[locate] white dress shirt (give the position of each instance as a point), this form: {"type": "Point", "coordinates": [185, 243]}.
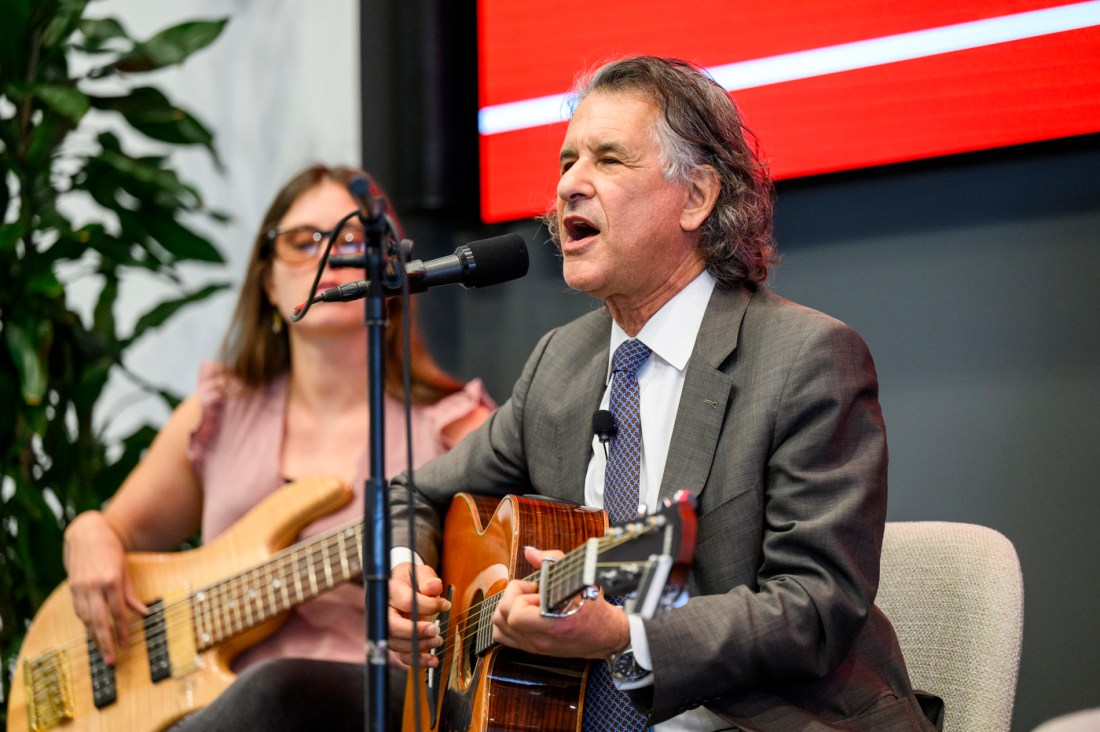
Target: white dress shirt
{"type": "Point", "coordinates": [670, 335]}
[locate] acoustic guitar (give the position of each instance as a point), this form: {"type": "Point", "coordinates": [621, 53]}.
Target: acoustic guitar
{"type": "Point", "coordinates": [481, 685]}
{"type": "Point", "coordinates": [206, 606]}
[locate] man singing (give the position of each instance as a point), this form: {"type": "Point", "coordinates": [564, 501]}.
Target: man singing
{"type": "Point", "coordinates": [765, 410]}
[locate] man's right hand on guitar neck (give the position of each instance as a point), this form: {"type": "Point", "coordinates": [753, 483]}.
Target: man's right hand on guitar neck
{"type": "Point", "coordinates": [429, 602]}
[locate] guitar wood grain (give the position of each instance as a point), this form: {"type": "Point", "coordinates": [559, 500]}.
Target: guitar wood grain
{"type": "Point", "coordinates": [504, 688]}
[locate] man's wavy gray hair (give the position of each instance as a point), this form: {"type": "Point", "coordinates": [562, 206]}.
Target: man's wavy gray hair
{"type": "Point", "coordinates": [700, 125]}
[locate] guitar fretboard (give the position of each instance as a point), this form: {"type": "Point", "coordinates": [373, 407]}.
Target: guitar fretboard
{"type": "Point", "coordinates": [564, 579]}
{"type": "Point", "coordinates": [285, 581]}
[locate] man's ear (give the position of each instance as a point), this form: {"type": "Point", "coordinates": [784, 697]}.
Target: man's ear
{"type": "Point", "coordinates": [702, 193]}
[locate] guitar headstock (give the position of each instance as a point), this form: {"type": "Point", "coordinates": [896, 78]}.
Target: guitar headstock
{"type": "Point", "coordinates": [649, 557]}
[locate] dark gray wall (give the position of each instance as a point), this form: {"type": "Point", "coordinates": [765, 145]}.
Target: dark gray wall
{"type": "Point", "coordinates": [975, 281]}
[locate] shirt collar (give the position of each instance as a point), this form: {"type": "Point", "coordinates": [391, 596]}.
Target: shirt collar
{"type": "Point", "coordinates": [672, 330]}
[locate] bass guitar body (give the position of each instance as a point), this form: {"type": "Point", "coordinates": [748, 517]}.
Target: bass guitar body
{"type": "Point", "coordinates": [483, 686]}
{"type": "Point", "coordinates": [60, 682]}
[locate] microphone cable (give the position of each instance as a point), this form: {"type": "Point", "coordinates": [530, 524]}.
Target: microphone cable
{"type": "Point", "coordinates": [301, 310]}
{"type": "Point", "coordinates": [392, 250]}
{"type": "Point", "coordinates": [406, 383]}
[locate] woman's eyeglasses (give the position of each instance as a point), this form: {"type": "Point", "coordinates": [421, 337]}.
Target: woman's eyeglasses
{"type": "Point", "coordinates": [302, 244]}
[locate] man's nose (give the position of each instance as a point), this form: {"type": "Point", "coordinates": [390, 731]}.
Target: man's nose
{"type": "Point", "coordinates": [576, 182]}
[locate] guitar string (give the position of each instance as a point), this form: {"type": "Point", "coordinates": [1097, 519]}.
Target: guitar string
{"type": "Point", "coordinates": [230, 601]}
{"type": "Point", "coordinates": [575, 557]}
{"type": "Point", "coordinates": [232, 590]}
{"type": "Point", "coordinates": [221, 616]}
{"type": "Point", "coordinates": [289, 558]}
{"type": "Point", "coordinates": [315, 549]}
{"type": "Point", "coordinates": [567, 562]}
{"type": "Point", "coordinates": [186, 624]}
{"type": "Point", "coordinates": [42, 693]}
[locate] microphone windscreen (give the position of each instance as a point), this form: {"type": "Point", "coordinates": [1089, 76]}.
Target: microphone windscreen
{"type": "Point", "coordinates": [499, 259]}
{"type": "Point", "coordinates": [603, 424]}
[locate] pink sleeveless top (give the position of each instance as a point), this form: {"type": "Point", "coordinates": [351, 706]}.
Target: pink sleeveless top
{"type": "Point", "coordinates": [235, 453]}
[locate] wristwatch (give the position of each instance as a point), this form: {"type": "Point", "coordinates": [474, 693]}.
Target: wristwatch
{"type": "Point", "coordinates": [625, 668]}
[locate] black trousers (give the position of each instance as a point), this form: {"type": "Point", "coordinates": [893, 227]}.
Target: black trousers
{"type": "Point", "coordinates": [288, 694]}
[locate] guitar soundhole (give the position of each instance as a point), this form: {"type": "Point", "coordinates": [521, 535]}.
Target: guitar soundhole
{"type": "Point", "coordinates": [471, 637]}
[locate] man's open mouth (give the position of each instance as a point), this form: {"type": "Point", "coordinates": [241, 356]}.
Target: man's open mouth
{"type": "Point", "coordinates": [578, 228]}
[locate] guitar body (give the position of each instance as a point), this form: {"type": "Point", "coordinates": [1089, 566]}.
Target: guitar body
{"type": "Point", "coordinates": [502, 689]}
{"type": "Point", "coordinates": [142, 704]}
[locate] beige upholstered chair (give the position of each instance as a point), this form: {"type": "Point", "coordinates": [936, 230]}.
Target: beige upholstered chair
{"type": "Point", "coordinates": [955, 595]}
{"type": "Point", "coordinates": [1087, 720]}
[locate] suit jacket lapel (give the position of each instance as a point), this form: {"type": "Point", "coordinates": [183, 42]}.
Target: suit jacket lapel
{"type": "Point", "coordinates": [581, 399]}
{"type": "Point", "coordinates": [706, 394]}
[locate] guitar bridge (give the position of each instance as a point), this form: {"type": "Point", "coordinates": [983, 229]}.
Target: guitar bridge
{"type": "Point", "coordinates": [48, 687]}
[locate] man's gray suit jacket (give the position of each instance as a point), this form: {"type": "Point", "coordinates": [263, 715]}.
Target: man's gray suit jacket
{"type": "Point", "coordinates": [780, 438]}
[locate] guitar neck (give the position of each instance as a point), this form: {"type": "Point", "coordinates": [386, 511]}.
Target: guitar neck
{"type": "Point", "coordinates": [290, 578]}
{"type": "Point", "coordinates": [564, 579]}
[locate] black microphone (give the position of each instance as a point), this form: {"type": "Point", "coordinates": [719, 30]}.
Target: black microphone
{"type": "Point", "coordinates": [477, 264]}
{"type": "Point", "coordinates": [603, 426]}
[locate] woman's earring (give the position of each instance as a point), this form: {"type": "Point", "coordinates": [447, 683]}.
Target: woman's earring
{"type": "Point", "coordinates": [276, 323]}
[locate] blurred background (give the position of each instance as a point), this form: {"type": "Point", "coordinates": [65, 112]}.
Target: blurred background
{"type": "Point", "coordinates": [974, 277]}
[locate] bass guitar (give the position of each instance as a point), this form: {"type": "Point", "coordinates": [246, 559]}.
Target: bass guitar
{"type": "Point", "coordinates": [481, 685]}
{"type": "Point", "coordinates": [205, 607]}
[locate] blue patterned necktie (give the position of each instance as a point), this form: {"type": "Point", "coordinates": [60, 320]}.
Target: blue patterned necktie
{"type": "Point", "coordinates": [606, 709]}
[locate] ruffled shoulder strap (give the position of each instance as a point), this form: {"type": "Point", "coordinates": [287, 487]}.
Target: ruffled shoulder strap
{"type": "Point", "coordinates": [454, 407]}
{"type": "Point", "coordinates": [216, 382]}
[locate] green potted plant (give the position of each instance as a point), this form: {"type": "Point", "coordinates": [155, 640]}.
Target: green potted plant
{"type": "Point", "coordinates": [55, 457]}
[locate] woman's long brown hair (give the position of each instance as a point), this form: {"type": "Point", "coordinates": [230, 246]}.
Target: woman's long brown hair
{"type": "Point", "coordinates": [257, 355]}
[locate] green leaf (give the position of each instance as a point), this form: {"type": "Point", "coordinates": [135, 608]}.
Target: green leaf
{"type": "Point", "coordinates": [62, 25]}
{"type": "Point", "coordinates": [73, 245]}
{"type": "Point", "coordinates": [99, 32]}
{"type": "Point", "coordinates": [13, 34]}
{"type": "Point", "coordinates": [142, 178]}
{"type": "Point", "coordinates": [10, 235]}
{"type": "Point", "coordinates": [220, 216]}
{"type": "Point", "coordinates": [26, 349]}
{"type": "Point", "coordinates": [9, 401]}
{"type": "Point", "coordinates": [91, 380]}
{"type": "Point", "coordinates": [44, 284]}
{"type": "Point", "coordinates": [30, 498]}
{"type": "Point", "coordinates": [109, 141]}
{"type": "Point", "coordinates": [181, 242]}
{"type": "Point", "coordinates": [151, 113]}
{"type": "Point", "coordinates": [67, 101]}
{"type": "Point", "coordinates": [103, 318]}
{"type": "Point", "coordinates": [162, 312]}
{"type": "Point", "coordinates": [45, 139]}
{"type": "Point", "coordinates": [170, 46]}
{"type": "Point", "coordinates": [134, 229]}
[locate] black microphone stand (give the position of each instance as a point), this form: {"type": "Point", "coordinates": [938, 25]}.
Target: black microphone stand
{"type": "Point", "coordinates": [376, 503]}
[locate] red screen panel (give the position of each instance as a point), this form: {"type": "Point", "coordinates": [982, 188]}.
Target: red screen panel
{"type": "Point", "coordinates": [825, 86]}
